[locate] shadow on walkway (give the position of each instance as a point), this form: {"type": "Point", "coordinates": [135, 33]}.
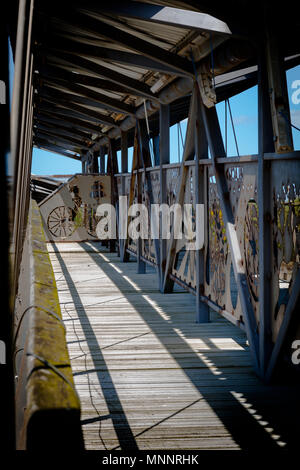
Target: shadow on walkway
{"type": "Point", "coordinates": [253, 411]}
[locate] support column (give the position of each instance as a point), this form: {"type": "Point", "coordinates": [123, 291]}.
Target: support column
{"type": "Point", "coordinates": [200, 188]}
{"type": "Point", "coordinates": [124, 256]}
{"type": "Point", "coordinates": [95, 166]}
{"type": "Point", "coordinates": [114, 158]}
{"type": "Point", "coordinates": [124, 152]}
{"type": "Point", "coordinates": [141, 265]}
{"type": "Point", "coordinates": [143, 150]}
{"type": "Point", "coordinates": [164, 159]}
{"type": "Point", "coordinates": [216, 146]}
{"type": "Point", "coordinates": [156, 144]}
{"type": "Point", "coordinates": [102, 153]}
{"type": "Point", "coordinates": [112, 169]}
{"type": "Point", "coordinates": [274, 134]}
{"type": "Point", "coordinates": [188, 154]}
{"type": "Point", "coordinates": [278, 94]}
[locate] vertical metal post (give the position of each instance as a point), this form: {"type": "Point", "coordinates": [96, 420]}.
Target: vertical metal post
{"type": "Point", "coordinates": [124, 152]}
{"type": "Point", "coordinates": [133, 179]}
{"type": "Point", "coordinates": [83, 166]}
{"type": "Point", "coordinates": [200, 188]}
{"type": "Point", "coordinates": [188, 154]}
{"type": "Point", "coordinates": [114, 159]}
{"type": "Point", "coordinates": [141, 265]}
{"type": "Point", "coordinates": [102, 153]}
{"type": "Point", "coordinates": [274, 134]}
{"type": "Point", "coordinates": [95, 168]}
{"type": "Point", "coordinates": [164, 159]}
{"type": "Point", "coordinates": [278, 94]}
{"type": "Point", "coordinates": [216, 146]}
{"type": "Point", "coordinates": [156, 145]}
{"type": "Point", "coordinates": [124, 169]}
{"type": "Point", "coordinates": [265, 144]}
{"type": "Point", "coordinates": [112, 168]}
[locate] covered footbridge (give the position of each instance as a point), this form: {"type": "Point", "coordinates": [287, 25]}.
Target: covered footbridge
{"type": "Point", "coordinates": [112, 341]}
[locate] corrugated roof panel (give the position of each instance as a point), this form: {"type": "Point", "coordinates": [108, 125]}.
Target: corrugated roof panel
{"type": "Point", "coordinates": [140, 32]}
{"type": "Point", "coordinates": [123, 69]}
{"type": "Point", "coordinates": [168, 34]}
{"type": "Point", "coordinates": [170, 38]}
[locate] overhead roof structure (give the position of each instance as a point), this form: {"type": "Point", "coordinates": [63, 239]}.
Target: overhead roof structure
{"type": "Point", "coordinates": [98, 67]}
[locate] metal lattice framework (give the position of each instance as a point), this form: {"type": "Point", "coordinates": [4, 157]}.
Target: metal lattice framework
{"type": "Point", "coordinates": [226, 273]}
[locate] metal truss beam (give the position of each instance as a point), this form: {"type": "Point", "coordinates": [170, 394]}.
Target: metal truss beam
{"type": "Point", "coordinates": [134, 167]}
{"type": "Point", "coordinates": [124, 169]}
{"type": "Point", "coordinates": [102, 153]}
{"type": "Point", "coordinates": [265, 145]}
{"type": "Point", "coordinates": [133, 86]}
{"type": "Point", "coordinates": [44, 145]}
{"type": "Point", "coordinates": [56, 97]}
{"type": "Point", "coordinates": [57, 140]}
{"type": "Point", "coordinates": [188, 154]}
{"type": "Point", "coordinates": [200, 194]}
{"type": "Point", "coordinates": [164, 15]}
{"type": "Point", "coordinates": [216, 146]}
{"type": "Point", "coordinates": [57, 115]}
{"type": "Point", "coordinates": [101, 29]}
{"type": "Point", "coordinates": [62, 132]}
{"type": "Point", "coordinates": [146, 162]}
{"type": "Point", "coordinates": [96, 98]}
{"type": "Point", "coordinates": [183, 86]}
{"type": "Point", "coordinates": [88, 80]}
{"type": "Point", "coordinates": [55, 124]}
{"type": "Point", "coordinates": [53, 106]}
{"type": "Point", "coordinates": [274, 134]}
{"type": "Point", "coordinates": [164, 158]}
{"type": "Point", "coordinates": [123, 57]}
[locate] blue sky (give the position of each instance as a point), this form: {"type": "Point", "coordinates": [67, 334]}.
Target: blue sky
{"type": "Point", "coordinates": [244, 113]}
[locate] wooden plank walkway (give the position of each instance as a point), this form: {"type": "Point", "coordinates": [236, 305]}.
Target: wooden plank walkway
{"type": "Point", "coordinates": [148, 376]}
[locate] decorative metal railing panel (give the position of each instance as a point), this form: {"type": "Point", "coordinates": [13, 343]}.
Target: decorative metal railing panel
{"type": "Point", "coordinates": [183, 267]}
{"type": "Point", "coordinates": [286, 236]}
{"type": "Point", "coordinates": [220, 285]}
{"type": "Point", "coordinates": [132, 243]}
{"type": "Point", "coordinates": [69, 213]}
{"type": "Point", "coordinates": [148, 248]}
{"type": "Point", "coordinates": [242, 203]}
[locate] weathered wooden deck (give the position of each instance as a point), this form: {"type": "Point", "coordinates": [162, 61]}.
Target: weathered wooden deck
{"type": "Point", "coordinates": [148, 376]}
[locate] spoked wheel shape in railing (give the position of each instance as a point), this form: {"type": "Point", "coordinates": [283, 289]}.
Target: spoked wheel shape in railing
{"type": "Point", "coordinates": [60, 222]}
